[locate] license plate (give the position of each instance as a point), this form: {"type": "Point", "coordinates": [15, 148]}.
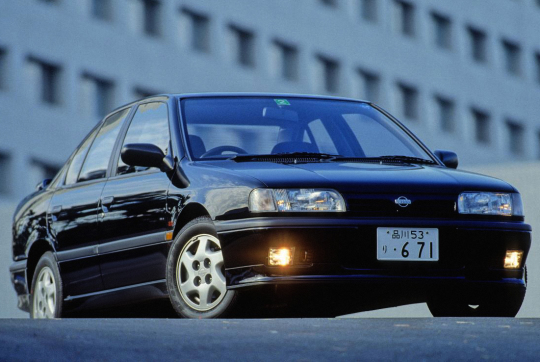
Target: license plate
{"type": "Point", "coordinates": [408, 244]}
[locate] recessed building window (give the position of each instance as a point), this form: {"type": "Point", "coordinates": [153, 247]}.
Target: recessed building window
{"type": "Point", "coordinates": [516, 137]}
{"type": "Point", "coordinates": [3, 69]}
{"type": "Point", "coordinates": [5, 173]}
{"type": "Point", "coordinates": [244, 43]}
{"type": "Point", "coordinates": [141, 92]}
{"type": "Point", "coordinates": [406, 18]}
{"type": "Point", "coordinates": [445, 109]}
{"type": "Point", "coordinates": [478, 43]}
{"type": "Point", "coordinates": [47, 76]}
{"type": "Point", "coordinates": [288, 60]}
{"type": "Point", "coordinates": [370, 83]}
{"type": "Point", "coordinates": [151, 17]}
{"type": "Point", "coordinates": [409, 101]}
{"type": "Point", "coordinates": [538, 144]}
{"type": "Point", "coordinates": [443, 31]}
{"type": "Point", "coordinates": [100, 92]}
{"type": "Point", "coordinates": [330, 3]}
{"type": "Point", "coordinates": [482, 126]}
{"type": "Point", "coordinates": [101, 9]}
{"type": "Point", "coordinates": [50, 1]}
{"type": "Point", "coordinates": [200, 30]}
{"type": "Point", "coordinates": [512, 57]}
{"type": "Point", "coordinates": [329, 73]}
{"type": "Point", "coordinates": [537, 66]}
{"type": "Point", "coordinates": [368, 10]}
{"type": "Point", "coordinates": [43, 170]}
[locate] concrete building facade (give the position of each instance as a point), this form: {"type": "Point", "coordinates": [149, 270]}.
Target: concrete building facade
{"type": "Point", "coordinates": [463, 74]}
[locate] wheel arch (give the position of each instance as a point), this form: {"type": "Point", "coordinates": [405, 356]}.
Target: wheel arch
{"type": "Point", "coordinates": [190, 212]}
{"type": "Point", "coordinates": [35, 252]}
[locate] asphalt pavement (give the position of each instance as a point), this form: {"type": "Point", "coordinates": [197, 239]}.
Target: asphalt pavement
{"type": "Point", "coordinates": [440, 339]}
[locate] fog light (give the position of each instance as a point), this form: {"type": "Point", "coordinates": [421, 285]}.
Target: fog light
{"type": "Point", "coordinates": [280, 256]}
{"type": "Point", "coordinates": [513, 259]}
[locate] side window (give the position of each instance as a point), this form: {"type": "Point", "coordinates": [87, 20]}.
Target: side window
{"type": "Point", "coordinates": [78, 158]}
{"type": "Point", "coordinates": [149, 125]}
{"type": "Point", "coordinates": [97, 161]}
{"type": "Point", "coordinates": [57, 180]}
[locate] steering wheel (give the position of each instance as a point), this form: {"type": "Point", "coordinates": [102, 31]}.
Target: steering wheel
{"type": "Point", "coordinates": [220, 149]}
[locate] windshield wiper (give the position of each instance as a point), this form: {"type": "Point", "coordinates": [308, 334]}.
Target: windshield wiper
{"type": "Point", "coordinates": [293, 156]}
{"type": "Point", "coordinates": [388, 159]}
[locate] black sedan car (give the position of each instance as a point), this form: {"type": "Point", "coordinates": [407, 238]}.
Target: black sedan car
{"type": "Point", "coordinates": [203, 198]}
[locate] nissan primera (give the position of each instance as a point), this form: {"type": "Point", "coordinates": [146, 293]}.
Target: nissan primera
{"type": "Point", "coordinates": [203, 198]}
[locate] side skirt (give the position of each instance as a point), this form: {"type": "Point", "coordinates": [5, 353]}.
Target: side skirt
{"type": "Point", "coordinates": [118, 296]}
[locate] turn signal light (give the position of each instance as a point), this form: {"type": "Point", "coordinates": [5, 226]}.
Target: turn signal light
{"type": "Point", "coordinates": [280, 256]}
{"type": "Point", "coordinates": [513, 259]}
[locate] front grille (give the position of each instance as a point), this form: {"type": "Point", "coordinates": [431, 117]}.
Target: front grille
{"type": "Point", "coordinates": [385, 205]}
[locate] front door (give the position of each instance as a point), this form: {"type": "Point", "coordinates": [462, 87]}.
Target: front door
{"type": "Point", "coordinates": [133, 217]}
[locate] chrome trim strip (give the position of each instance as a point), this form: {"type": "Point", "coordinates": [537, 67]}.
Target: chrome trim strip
{"type": "Point", "coordinates": [111, 247]}
{"type": "Point", "coordinates": [78, 253]}
{"type": "Point", "coordinates": [18, 266]}
{"type": "Point", "coordinates": [131, 242]}
{"type": "Point", "coordinates": [69, 297]}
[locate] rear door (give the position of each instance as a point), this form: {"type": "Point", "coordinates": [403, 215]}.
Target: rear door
{"type": "Point", "coordinates": [134, 219]}
{"type": "Point", "coordinates": [73, 210]}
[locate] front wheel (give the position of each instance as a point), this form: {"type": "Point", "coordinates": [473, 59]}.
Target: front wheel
{"type": "Point", "coordinates": [196, 272]}
{"type": "Point", "coordinates": [46, 293]}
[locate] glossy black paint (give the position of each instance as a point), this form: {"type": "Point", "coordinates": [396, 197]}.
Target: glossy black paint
{"type": "Point", "coordinates": [110, 235]}
{"type": "Point", "coordinates": [449, 158]}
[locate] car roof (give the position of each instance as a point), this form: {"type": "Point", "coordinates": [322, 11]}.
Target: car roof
{"type": "Point", "coordinates": [166, 96]}
{"type": "Point", "coordinates": [261, 94]}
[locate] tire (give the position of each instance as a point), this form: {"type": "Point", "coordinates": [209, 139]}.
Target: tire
{"type": "Point", "coordinates": [196, 273]}
{"type": "Point", "coordinates": [46, 293]}
{"type": "Point", "coordinates": [505, 304]}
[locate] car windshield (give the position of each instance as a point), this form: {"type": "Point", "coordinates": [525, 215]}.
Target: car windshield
{"type": "Point", "coordinates": [222, 127]}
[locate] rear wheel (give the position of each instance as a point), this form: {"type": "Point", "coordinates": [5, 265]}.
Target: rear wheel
{"type": "Point", "coordinates": [196, 272]}
{"type": "Point", "coordinates": [504, 304]}
{"type": "Point", "coordinates": [46, 293]}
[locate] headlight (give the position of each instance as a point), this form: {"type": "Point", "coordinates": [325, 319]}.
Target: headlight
{"type": "Point", "coordinates": [490, 203]}
{"type": "Point", "coordinates": [296, 200]}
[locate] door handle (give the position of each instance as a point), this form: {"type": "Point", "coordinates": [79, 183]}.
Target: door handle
{"type": "Point", "coordinates": [56, 209]}
{"type": "Point", "coordinates": [107, 200]}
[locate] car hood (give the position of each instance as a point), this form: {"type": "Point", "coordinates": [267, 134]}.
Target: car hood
{"type": "Point", "coordinates": [367, 178]}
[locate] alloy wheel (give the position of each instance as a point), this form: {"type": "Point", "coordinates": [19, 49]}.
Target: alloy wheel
{"type": "Point", "coordinates": [44, 304]}
{"type": "Point", "coordinates": [200, 273]}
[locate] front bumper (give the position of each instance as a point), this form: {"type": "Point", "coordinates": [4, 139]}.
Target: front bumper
{"type": "Point", "coordinates": [343, 250]}
{"type": "Point", "coordinates": [18, 279]}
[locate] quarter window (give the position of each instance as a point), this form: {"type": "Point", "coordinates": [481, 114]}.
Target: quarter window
{"type": "Point", "coordinates": [96, 163]}
{"type": "Point", "coordinates": [150, 125]}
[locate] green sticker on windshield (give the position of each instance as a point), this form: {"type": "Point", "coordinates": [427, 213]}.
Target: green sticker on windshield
{"type": "Point", "coordinates": [282, 102]}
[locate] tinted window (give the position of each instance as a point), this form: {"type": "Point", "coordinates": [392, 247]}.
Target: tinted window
{"type": "Point", "coordinates": [150, 125]}
{"type": "Point", "coordinates": [324, 141]}
{"type": "Point", "coordinates": [78, 158]}
{"type": "Point", "coordinates": [219, 128]}
{"type": "Point", "coordinates": [386, 141]}
{"type": "Point", "coordinates": [97, 161]}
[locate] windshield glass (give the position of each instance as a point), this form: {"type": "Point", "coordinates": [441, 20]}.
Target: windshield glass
{"type": "Point", "coordinates": [222, 127]}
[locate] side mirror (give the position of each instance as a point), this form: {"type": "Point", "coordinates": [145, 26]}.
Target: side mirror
{"type": "Point", "coordinates": [146, 155]}
{"type": "Point", "coordinates": [43, 184]}
{"type": "Point", "coordinates": [448, 158]}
